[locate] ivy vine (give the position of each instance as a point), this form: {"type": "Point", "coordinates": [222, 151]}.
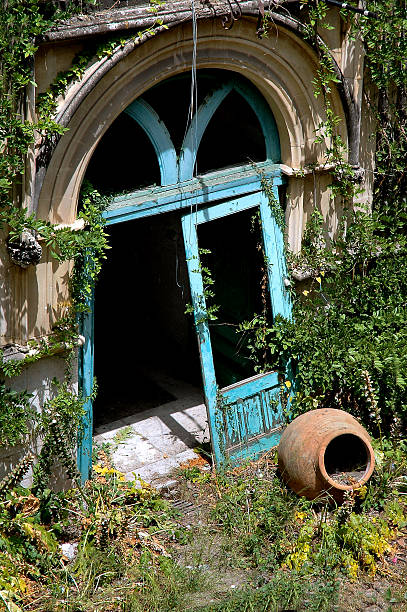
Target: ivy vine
{"type": "Point", "coordinates": [22, 23]}
{"type": "Point", "coordinates": [348, 334]}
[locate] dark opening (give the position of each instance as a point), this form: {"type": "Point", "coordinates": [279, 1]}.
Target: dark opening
{"type": "Point", "coordinates": [233, 136]}
{"type": "Point", "coordinates": [141, 331]}
{"type": "Point", "coordinates": [346, 459]}
{"type": "Point", "coordinates": [177, 89]}
{"type": "Point", "coordinates": [171, 101]}
{"type": "Point", "coordinates": [236, 263]}
{"type": "Point", "coordinates": [124, 159]}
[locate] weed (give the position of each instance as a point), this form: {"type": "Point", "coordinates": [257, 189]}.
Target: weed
{"type": "Point", "coordinates": [283, 592]}
{"type": "Point", "coordinates": [123, 434]}
{"type": "Point", "coordinates": [194, 474]}
{"type": "Point", "coordinates": [134, 553]}
{"type": "Point", "coordinates": [390, 476]}
{"type": "Point", "coordinates": [259, 515]}
{"type": "Point", "coordinates": [396, 596]}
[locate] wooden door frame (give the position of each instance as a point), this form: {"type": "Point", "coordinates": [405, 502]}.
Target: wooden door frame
{"type": "Point", "coordinates": [179, 190]}
{"type": "Point", "coordinates": [280, 304]}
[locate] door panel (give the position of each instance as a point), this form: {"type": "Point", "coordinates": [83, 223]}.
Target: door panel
{"type": "Point", "coordinates": [233, 256]}
{"type": "Point", "coordinates": [250, 410]}
{"type": "Point", "coordinates": [245, 416]}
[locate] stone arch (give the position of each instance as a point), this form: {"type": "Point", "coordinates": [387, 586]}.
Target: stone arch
{"type": "Point", "coordinates": [282, 68]}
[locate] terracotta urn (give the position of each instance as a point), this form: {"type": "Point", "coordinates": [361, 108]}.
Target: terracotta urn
{"type": "Point", "coordinates": [325, 452]}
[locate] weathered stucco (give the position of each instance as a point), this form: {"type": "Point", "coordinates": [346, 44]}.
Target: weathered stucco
{"type": "Point", "coordinates": [282, 67]}
{"type": "Point", "coordinates": [37, 379]}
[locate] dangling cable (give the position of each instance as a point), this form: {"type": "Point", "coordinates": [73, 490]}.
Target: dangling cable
{"type": "Point", "coordinates": [193, 108]}
{"type": "Point", "coordinates": [193, 105]}
{"type": "Point", "coordinates": [179, 285]}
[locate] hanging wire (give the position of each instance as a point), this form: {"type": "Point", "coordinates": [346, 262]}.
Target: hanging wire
{"type": "Point", "coordinates": [193, 107]}
{"type": "Point", "coordinates": [192, 122]}
{"type": "Point", "coordinates": [179, 285]}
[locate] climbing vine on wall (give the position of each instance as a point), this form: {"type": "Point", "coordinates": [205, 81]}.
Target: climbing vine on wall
{"type": "Point", "coordinates": [350, 314]}
{"type": "Point", "coordinates": [22, 22]}
{"type": "Point", "coordinates": [348, 338]}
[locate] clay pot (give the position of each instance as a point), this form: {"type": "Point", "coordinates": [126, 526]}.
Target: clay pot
{"type": "Point", "coordinates": [325, 451]}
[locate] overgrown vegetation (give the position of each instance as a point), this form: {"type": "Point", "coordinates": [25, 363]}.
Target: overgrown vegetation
{"type": "Point", "coordinates": [349, 319]}
{"type": "Point", "coordinates": [347, 339]}
{"type": "Point", "coordinates": [22, 22]}
{"type": "Point", "coordinates": [348, 344]}
{"type": "Point", "coordinates": [114, 557]}
{"type": "Point", "coordinates": [119, 545]}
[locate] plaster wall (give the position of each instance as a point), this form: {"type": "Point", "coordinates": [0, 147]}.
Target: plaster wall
{"type": "Point", "coordinates": [281, 66]}
{"type": "Point", "coordinates": [36, 379]}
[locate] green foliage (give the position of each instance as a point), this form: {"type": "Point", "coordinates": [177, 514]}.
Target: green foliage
{"type": "Point", "coordinates": [275, 206]}
{"type": "Point", "coordinates": [293, 552]}
{"type": "Point", "coordinates": [257, 514]}
{"type": "Point", "coordinates": [390, 476]}
{"type": "Point", "coordinates": [15, 412]}
{"type": "Point", "coordinates": [89, 248]}
{"type": "Point", "coordinates": [386, 52]}
{"type": "Point", "coordinates": [15, 476]}
{"type": "Point", "coordinates": [343, 184]}
{"type": "Point", "coordinates": [118, 553]}
{"type": "Point", "coordinates": [269, 527]}
{"type": "Point", "coordinates": [47, 101]}
{"type": "Point", "coordinates": [59, 423]}
{"type": "Point", "coordinates": [206, 310]}
{"type": "Point", "coordinates": [348, 342]}
{"type": "Point", "coordinates": [283, 592]}
{"type": "Point", "coordinates": [349, 321]}
{"type": "Point", "coordinates": [21, 23]}
{"type": "Point", "coordinates": [29, 549]}
{"type": "Point", "coordinates": [194, 474]}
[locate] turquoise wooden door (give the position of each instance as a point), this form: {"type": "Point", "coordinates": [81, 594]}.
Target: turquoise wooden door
{"type": "Point", "coordinates": [244, 410]}
{"type": "Point", "coordinates": [246, 416]}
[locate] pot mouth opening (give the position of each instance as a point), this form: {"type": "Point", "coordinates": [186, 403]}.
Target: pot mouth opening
{"type": "Point", "coordinates": [346, 461]}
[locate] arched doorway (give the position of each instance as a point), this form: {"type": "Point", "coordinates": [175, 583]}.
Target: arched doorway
{"type": "Point", "coordinates": [193, 214]}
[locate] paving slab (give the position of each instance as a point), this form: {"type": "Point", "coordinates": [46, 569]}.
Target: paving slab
{"type": "Point", "coordinates": [160, 473]}
{"type": "Point", "coordinates": [158, 440]}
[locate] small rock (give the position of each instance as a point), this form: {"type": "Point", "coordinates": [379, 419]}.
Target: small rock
{"type": "Point", "coordinates": [69, 550]}
{"type": "Point", "coordinates": [371, 595]}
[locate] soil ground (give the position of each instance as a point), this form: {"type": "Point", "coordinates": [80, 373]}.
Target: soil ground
{"type": "Point", "coordinates": [384, 592]}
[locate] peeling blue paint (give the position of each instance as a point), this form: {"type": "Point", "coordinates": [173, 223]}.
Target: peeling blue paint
{"type": "Point", "coordinates": [245, 419]}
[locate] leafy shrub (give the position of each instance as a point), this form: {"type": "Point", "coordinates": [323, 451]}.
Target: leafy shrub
{"type": "Point", "coordinates": [348, 339]}
{"type": "Point", "coordinates": [15, 412]}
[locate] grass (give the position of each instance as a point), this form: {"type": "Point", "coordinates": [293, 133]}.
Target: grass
{"type": "Point", "coordinates": [250, 544]}
{"type": "Point", "coordinates": [283, 591]}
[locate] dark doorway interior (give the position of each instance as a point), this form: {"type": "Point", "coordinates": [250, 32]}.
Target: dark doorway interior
{"type": "Point", "coordinates": [233, 252]}
{"type": "Point", "coordinates": [124, 159]}
{"type": "Point", "coordinates": [141, 330]}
